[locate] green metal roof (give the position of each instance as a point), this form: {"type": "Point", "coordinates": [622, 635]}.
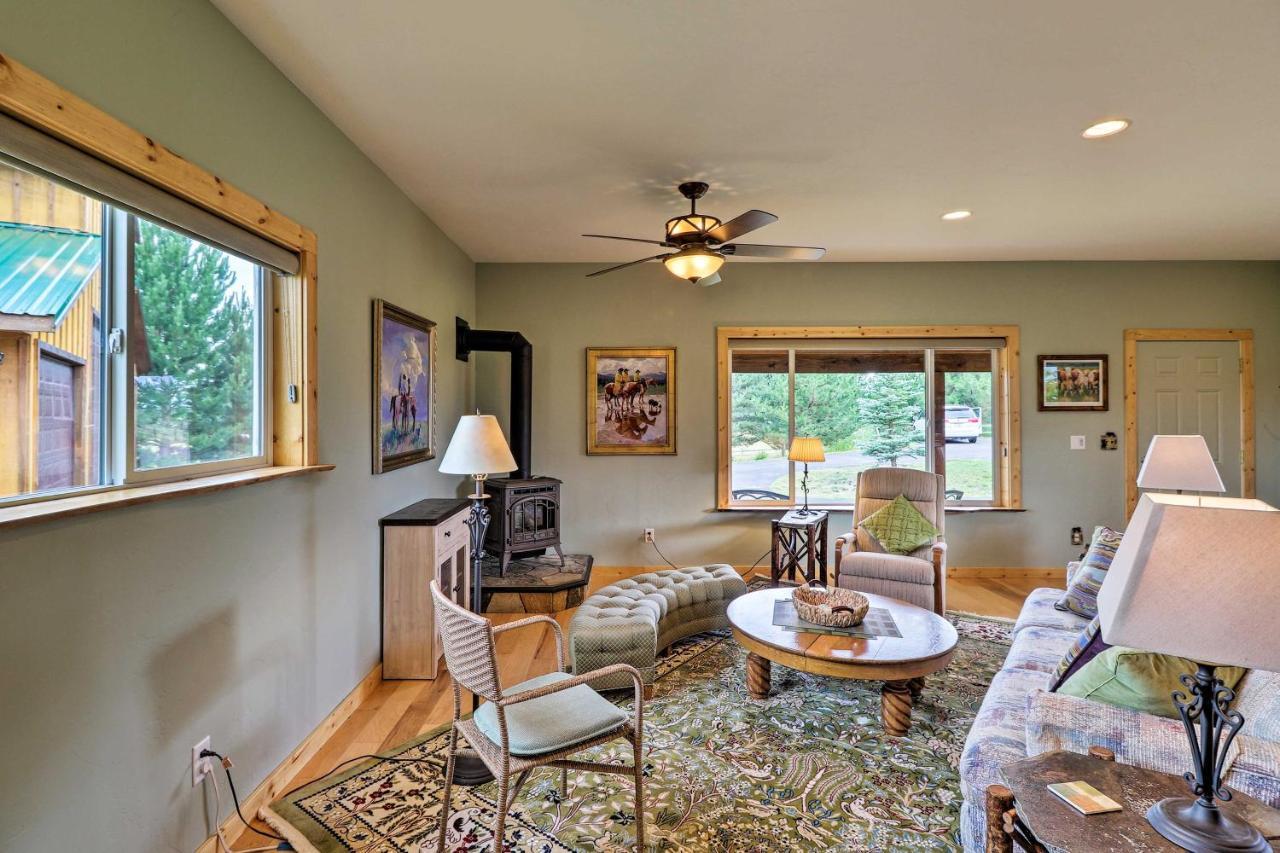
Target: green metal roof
{"type": "Point", "coordinates": [43, 269]}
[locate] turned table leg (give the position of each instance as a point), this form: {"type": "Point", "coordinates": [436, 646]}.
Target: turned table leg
{"type": "Point", "coordinates": [895, 707]}
{"type": "Point", "coordinates": [916, 686]}
{"type": "Point", "coordinates": [758, 676]}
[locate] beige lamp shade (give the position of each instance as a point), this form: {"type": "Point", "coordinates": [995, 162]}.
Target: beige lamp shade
{"type": "Point", "coordinates": [1181, 462]}
{"type": "Point", "coordinates": [1198, 578]}
{"type": "Point", "coordinates": [806, 450]}
{"type": "Point", "coordinates": [477, 447]}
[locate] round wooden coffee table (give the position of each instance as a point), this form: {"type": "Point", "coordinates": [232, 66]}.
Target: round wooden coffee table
{"type": "Point", "coordinates": [927, 643]}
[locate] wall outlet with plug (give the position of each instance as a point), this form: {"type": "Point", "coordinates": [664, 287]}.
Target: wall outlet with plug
{"type": "Point", "coordinates": [201, 766]}
{"type": "Point", "coordinates": [648, 534]}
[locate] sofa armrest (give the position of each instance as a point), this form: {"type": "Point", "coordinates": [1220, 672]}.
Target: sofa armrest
{"type": "Point", "coordinates": [1057, 721]}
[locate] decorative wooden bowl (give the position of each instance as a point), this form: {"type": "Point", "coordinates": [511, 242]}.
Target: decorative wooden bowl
{"type": "Point", "coordinates": [834, 607]}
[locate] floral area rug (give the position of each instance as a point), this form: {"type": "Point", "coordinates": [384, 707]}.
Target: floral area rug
{"type": "Point", "coordinates": [809, 768]}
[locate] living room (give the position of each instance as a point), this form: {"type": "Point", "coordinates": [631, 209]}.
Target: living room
{"type": "Point", "coordinates": [994, 251]}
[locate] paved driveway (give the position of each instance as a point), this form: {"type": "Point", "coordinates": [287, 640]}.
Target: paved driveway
{"type": "Point", "coordinates": [760, 473]}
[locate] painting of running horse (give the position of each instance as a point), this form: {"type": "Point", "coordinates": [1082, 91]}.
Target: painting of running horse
{"type": "Point", "coordinates": [631, 401]}
{"type": "Point", "coordinates": [404, 358]}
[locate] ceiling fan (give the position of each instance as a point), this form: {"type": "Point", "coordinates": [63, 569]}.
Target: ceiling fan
{"type": "Point", "coordinates": [702, 242]}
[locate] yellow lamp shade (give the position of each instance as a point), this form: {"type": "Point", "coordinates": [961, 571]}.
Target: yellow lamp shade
{"type": "Point", "coordinates": [806, 450]}
{"type": "Point", "coordinates": [693, 263]}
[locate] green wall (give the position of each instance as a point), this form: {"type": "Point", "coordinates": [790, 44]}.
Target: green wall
{"type": "Point", "coordinates": [246, 615]}
{"type": "Point", "coordinates": [1060, 307]}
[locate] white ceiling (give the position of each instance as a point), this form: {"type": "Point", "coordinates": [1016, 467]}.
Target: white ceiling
{"type": "Point", "coordinates": [519, 125]}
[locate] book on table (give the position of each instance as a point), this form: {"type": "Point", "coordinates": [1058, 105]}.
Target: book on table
{"type": "Point", "coordinates": [1085, 798]}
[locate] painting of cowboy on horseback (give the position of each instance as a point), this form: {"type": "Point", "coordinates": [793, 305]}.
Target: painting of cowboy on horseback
{"type": "Point", "coordinates": [630, 398]}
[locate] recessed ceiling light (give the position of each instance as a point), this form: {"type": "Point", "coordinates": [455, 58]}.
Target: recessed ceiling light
{"type": "Point", "coordinates": [954, 215]}
{"type": "Point", "coordinates": [1106, 127]}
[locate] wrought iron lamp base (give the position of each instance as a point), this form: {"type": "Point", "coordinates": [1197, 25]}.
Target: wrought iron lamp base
{"type": "Point", "coordinates": [1197, 823]}
{"type": "Point", "coordinates": [468, 768]}
{"type": "Point", "coordinates": [1205, 829]}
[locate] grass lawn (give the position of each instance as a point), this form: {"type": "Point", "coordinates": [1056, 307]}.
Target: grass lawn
{"type": "Point", "coordinates": [971, 476]}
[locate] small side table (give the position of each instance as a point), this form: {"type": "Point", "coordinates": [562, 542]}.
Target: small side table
{"type": "Point", "coordinates": [799, 547]}
{"type": "Point", "coordinates": [1026, 814]}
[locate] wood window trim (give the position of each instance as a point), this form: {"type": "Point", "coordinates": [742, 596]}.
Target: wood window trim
{"type": "Point", "coordinates": [1248, 450]}
{"type": "Point", "coordinates": [44, 105]}
{"type": "Point", "coordinates": [1010, 469]}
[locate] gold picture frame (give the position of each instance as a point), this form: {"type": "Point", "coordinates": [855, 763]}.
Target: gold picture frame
{"type": "Point", "coordinates": [404, 387]}
{"type": "Point", "coordinates": [631, 401]}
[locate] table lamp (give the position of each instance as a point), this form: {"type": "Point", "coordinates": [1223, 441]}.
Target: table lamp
{"type": "Point", "coordinates": [477, 450]}
{"type": "Point", "coordinates": [806, 450]}
{"type": "Point", "coordinates": [1196, 577]}
{"type": "Point", "coordinates": [1180, 463]}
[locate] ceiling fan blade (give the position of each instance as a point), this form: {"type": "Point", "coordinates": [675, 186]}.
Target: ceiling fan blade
{"type": "Point", "coordinates": [790, 253]}
{"type": "Point", "coordinates": [630, 239]}
{"type": "Point", "coordinates": [739, 225]}
{"type": "Point", "coordinates": [708, 280]}
{"type": "Point", "coordinates": [628, 264]}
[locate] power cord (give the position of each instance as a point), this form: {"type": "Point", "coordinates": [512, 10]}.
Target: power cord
{"type": "Point", "coordinates": [434, 762]}
{"type": "Point", "coordinates": [222, 842]}
{"type": "Point", "coordinates": [226, 766]}
{"type": "Point", "coordinates": [654, 543]}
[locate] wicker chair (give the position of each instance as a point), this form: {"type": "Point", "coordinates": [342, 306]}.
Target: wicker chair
{"type": "Point", "coordinates": [536, 723]}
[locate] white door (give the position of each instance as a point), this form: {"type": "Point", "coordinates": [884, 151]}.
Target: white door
{"type": "Point", "coordinates": [1189, 387]}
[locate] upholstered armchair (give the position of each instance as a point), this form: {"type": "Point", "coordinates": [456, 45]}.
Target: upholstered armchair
{"type": "Point", "coordinates": [861, 564]}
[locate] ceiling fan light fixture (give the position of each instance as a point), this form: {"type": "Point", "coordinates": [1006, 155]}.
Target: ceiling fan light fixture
{"type": "Point", "coordinates": [956, 215]}
{"type": "Point", "coordinates": [693, 263]}
{"type": "Point", "coordinates": [693, 224]}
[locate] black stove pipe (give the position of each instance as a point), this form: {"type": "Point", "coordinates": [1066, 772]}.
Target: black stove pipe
{"type": "Point", "coordinates": [471, 340]}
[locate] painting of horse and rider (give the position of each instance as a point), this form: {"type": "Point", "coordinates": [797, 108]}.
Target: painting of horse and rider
{"type": "Point", "coordinates": [631, 401]}
{"type": "Point", "coordinates": [403, 387]}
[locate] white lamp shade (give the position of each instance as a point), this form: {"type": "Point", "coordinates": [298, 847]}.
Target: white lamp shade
{"type": "Point", "coordinates": [1198, 578]}
{"type": "Point", "coordinates": [477, 447]}
{"type": "Point", "coordinates": [1180, 462]}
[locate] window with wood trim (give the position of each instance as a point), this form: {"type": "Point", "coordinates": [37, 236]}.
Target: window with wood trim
{"type": "Point", "coordinates": [156, 324]}
{"type": "Point", "coordinates": [904, 397]}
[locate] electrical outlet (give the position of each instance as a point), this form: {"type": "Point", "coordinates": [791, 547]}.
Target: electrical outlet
{"type": "Point", "coordinates": [200, 767]}
{"type": "Point", "coordinates": [648, 534]}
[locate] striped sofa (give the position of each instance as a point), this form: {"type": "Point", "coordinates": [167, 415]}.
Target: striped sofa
{"type": "Point", "coordinates": [1020, 718]}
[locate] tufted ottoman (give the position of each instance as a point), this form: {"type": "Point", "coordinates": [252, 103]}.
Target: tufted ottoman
{"type": "Point", "coordinates": [629, 621]}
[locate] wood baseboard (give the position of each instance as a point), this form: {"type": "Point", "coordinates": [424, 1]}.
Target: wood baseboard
{"type": "Point", "coordinates": [1006, 572]}
{"type": "Point", "coordinates": [274, 785]}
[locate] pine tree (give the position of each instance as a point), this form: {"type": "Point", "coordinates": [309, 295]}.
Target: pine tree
{"type": "Point", "coordinates": [891, 405]}
{"type": "Point", "coordinates": [199, 334]}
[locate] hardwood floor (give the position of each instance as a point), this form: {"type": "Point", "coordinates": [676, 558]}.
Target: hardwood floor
{"type": "Point", "coordinates": [400, 710]}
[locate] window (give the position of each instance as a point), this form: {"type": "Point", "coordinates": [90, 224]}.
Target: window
{"type": "Point", "coordinates": [904, 397]}
{"type": "Point", "coordinates": [181, 391]}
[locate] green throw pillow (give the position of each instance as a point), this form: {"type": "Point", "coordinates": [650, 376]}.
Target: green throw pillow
{"type": "Point", "coordinates": [899, 527]}
{"type": "Point", "coordinates": [1144, 681]}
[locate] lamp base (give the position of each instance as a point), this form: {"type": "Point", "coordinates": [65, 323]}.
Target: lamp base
{"type": "Point", "coordinates": [1193, 826]}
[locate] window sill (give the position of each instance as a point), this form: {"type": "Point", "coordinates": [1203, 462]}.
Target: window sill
{"type": "Point", "coordinates": [849, 508]}
{"type": "Point", "coordinates": [73, 505]}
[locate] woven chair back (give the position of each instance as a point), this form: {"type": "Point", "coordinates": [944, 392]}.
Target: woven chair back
{"type": "Point", "coordinates": [468, 647]}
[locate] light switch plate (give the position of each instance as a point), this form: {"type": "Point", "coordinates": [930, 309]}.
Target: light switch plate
{"type": "Point", "coordinates": [1077, 442]}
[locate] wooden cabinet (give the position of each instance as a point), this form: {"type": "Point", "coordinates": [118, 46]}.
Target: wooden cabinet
{"type": "Point", "coordinates": [423, 542]}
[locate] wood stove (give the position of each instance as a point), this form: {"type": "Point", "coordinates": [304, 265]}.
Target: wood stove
{"type": "Point", "coordinates": [525, 518]}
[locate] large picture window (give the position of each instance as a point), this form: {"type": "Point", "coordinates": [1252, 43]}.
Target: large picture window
{"type": "Point", "coordinates": [129, 351]}
{"type": "Point", "coordinates": [907, 399]}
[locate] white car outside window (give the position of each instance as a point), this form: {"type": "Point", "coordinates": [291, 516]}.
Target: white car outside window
{"type": "Point", "coordinates": [963, 423]}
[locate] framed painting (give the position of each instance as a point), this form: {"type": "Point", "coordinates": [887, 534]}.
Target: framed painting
{"type": "Point", "coordinates": [404, 387]}
{"type": "Point", "coordinates": [631, 401]}
{"type": "Point", "coordinates": [1074, 383]}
